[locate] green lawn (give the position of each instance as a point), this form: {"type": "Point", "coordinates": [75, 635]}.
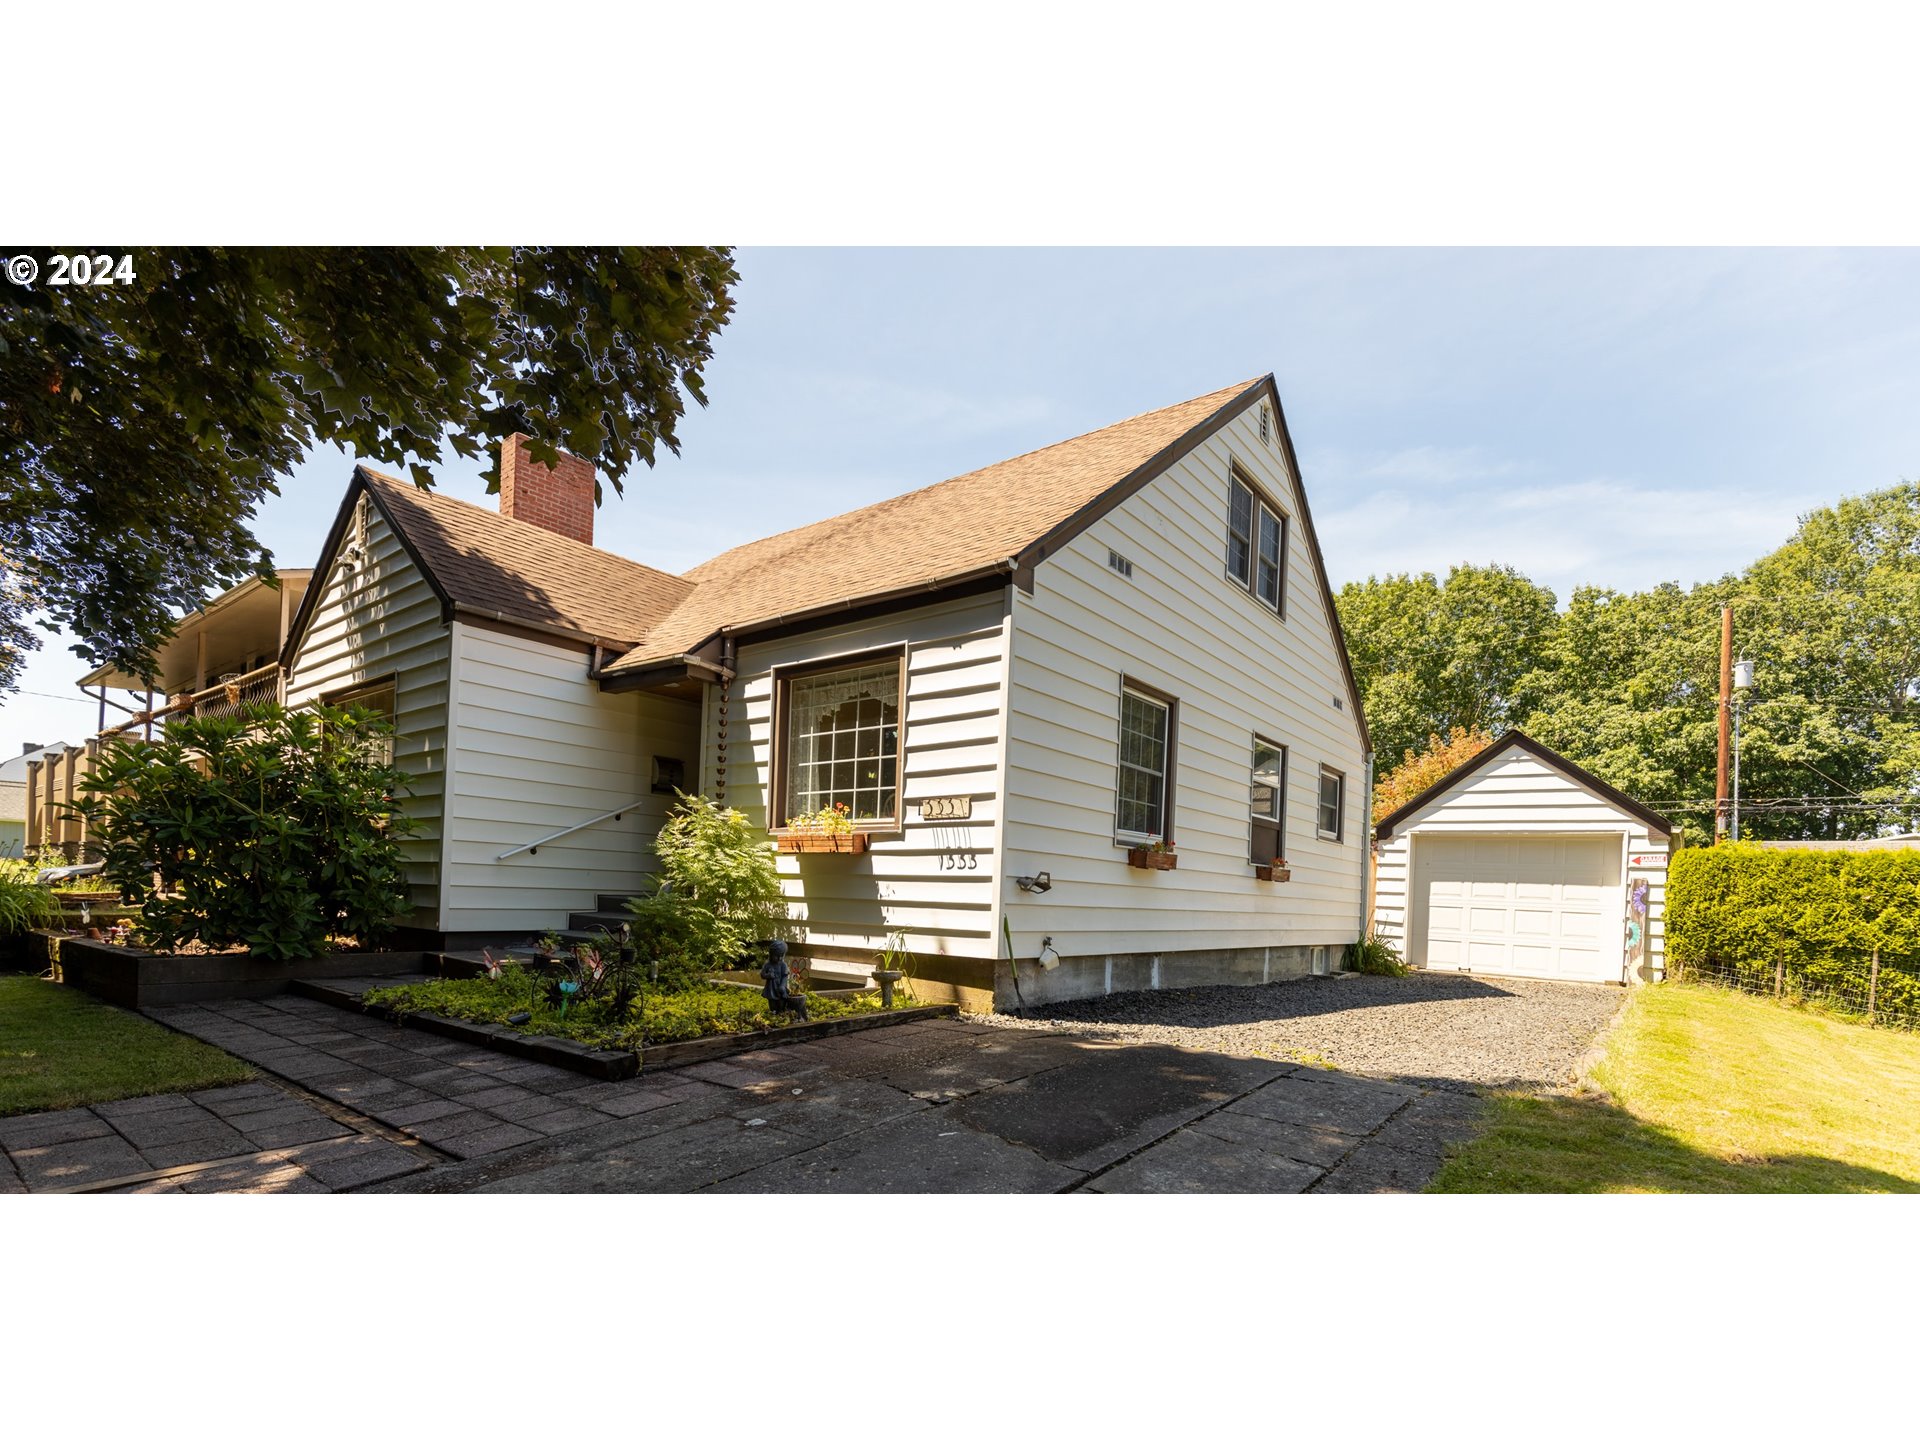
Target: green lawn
{"type": "Point", "coordinates": [60, 1048]}
{"type": "Point", "coordinates": [1715, 1093]}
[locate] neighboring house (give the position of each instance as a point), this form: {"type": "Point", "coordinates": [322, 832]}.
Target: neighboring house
{"type": "Point", "coordinates": [219, 657]}
{"type": "Point", "coordinates": [14, 771]}
{"type": "Point", "coordinates": [1521, 863]}
{"type": "Point", "coordinates": [13, 819]}
{"type": "Point", "coordinates": [1025, 671]}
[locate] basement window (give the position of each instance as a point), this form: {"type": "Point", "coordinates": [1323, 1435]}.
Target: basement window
{"type": "Point", "coordinates": [841, 741]}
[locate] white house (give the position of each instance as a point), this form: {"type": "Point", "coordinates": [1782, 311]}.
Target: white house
{"type": "Point", "coordinates": [1013, 680]}
{"type": "Point", "coordinates": [1519, 862]}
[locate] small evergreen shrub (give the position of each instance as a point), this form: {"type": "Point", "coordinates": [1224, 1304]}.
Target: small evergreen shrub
{"type": "Point", "coordinates": [1737, 911]}
{"type": "Point", "coordinates": [278, 830]}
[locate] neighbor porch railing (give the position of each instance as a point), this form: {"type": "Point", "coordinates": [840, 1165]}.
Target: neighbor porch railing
{"type": "Point", "coordinates": [54, 783]}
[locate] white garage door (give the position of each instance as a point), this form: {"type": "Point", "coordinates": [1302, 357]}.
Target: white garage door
{"type": "Point", "coordinates": [1546, 907]}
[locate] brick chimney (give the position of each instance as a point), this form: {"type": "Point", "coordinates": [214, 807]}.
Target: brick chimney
{"type": "Point", "coordinates": [559, 498]}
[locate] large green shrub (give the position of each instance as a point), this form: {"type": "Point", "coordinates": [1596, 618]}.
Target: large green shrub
{"type": "Point", "coordinates": [278, 830]}
{"type": "Point", "coordinates": [1818, 915]}
{"type": "Point", "coordinates": [718, 893]}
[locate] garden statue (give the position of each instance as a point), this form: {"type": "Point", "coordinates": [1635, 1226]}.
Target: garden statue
{"type": "Point", "coordinates": [779, 977]}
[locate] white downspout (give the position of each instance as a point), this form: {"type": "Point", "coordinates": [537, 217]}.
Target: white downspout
{"type": "Point", "coordinates": [1366, 843]}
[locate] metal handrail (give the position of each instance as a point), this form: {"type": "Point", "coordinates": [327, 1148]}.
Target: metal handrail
{"type": "Point", "coordinates": [534, 847]}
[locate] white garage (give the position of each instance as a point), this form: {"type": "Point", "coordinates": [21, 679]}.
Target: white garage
{"type": "Point", "coordinates": [1521, 863]}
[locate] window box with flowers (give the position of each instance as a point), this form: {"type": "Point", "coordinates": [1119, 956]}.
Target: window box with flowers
{"type": "Point", "coordinates": [1276, 872]}
{"type": "Point", "coordinates": [1156, 854]}
{"type": "Point", "coordinates": [830, 828]}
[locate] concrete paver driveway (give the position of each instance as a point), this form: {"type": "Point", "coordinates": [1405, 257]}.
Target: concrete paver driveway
{"type": "Point", "coordinates": [951, 1105]}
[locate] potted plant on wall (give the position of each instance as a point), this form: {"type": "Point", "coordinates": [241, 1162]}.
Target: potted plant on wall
{"type": "Point", "coordinates": [1276, 870]}
{"type": "Point", "coordinates": [828, 828]}
{"type": "Point", "coordinates": [1156, 854]}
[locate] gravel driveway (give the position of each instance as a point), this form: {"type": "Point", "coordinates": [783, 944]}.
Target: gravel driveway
{"type": "Point", "coordinates": [1450, 1031]}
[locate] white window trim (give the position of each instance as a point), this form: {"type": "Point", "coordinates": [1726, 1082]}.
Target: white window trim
{"type": "Point", "coordinates": [782, 676]}
{"type": "Point", "coordinates": [1339, 833]}
{"type": "Point", "coordinates": [1280, 800]}
{"type": "Point", "coordinates": [1171, 705]}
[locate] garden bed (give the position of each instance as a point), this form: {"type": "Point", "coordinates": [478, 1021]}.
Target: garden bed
{"type": "Point", "coordinates": [482, 1026]}
{"type": "Point", "coordinates": [139, 979]}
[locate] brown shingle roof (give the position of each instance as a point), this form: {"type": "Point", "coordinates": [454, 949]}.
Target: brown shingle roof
{"type": "Point", "coordinates": [957, 528]}
{"type": "Point", "coordinates": [481, 561]}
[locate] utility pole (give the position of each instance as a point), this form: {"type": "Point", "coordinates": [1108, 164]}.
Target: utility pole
{"type": "Point", "coordinates": [1726, 715]}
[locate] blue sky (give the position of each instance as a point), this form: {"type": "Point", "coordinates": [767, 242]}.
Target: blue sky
{"type": "Point", "coordinates": [1612, 417]}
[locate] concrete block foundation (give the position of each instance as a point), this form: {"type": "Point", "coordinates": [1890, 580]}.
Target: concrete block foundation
{"type": "Point", "coordinates": [1081, 976]}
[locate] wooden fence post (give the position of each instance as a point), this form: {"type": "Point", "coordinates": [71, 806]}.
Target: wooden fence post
{"type": "Point", "coordinates": [1779, 975]}
{"type": "Point", "coordinates": [1873, 984]}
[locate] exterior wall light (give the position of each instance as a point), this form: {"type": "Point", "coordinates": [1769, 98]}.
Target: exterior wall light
{"type": "Point", "coordinates": [1035, 884]}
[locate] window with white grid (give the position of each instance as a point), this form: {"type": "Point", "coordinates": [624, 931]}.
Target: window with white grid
{"type": "Point", "coordinates": [843, 741]}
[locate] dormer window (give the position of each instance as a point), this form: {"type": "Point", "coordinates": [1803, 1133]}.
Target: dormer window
{"type": "Point", "coordinates": [1256, 543]}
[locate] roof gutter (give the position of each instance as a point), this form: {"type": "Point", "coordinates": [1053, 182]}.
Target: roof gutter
{"type": "Point", "coordinates": [580, 637]}
{"type": "Point", "coordinates": [835, 607]}
{"type": "Point", "coordinates": [729, 635]}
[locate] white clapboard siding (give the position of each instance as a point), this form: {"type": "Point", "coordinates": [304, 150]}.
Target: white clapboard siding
{"type": "Point", "coordinates": [1180, 625]}
{"type": "Point", "coordinates": [539, 747]}
{"type": "Point", "coordinates": [917, 881]}
{"type": "Point", "coordinates": [1519, 794]}
{"type": "Point", "coordinates": [382, 620]}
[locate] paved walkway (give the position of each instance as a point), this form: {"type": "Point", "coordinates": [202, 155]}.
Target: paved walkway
{"type": "Point", "coordinates": [934, 1105]}
{"type": "Point", "coordinates": [255, 1137]}
{"type": "Point", "coordinates": [952, 1106]}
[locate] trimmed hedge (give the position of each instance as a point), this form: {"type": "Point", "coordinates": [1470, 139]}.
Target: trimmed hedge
{"type": "Point", "coordinates": [1740, 910]}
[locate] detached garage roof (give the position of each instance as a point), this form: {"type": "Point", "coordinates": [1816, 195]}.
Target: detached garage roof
{"type": "Point", "coordinates": [1516, 740]}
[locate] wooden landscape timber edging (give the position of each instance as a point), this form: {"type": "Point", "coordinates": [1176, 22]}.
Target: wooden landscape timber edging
{"type": "Point", "coordinates": [141, 979]}
{"type": "Point", "coordinates": [614, 1064]}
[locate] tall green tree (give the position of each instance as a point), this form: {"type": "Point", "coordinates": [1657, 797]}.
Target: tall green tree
{"type": "Point", "coordinates": [1830, 734]}
{"type": "Point", "coordinates": [142, 422]}
{"type": "Point", "coordinates": [1433, 656]}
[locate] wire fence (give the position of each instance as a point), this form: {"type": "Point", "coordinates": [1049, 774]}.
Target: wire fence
{"type": "Point", "coordinates": [1883, 990]}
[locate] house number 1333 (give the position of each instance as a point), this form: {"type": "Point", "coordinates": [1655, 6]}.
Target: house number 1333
{"type": "Point", "coordinates": [959, 860]}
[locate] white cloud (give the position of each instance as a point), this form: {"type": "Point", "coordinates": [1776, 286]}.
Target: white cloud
{"type": "Point", "coordinates": [1430, 507]}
